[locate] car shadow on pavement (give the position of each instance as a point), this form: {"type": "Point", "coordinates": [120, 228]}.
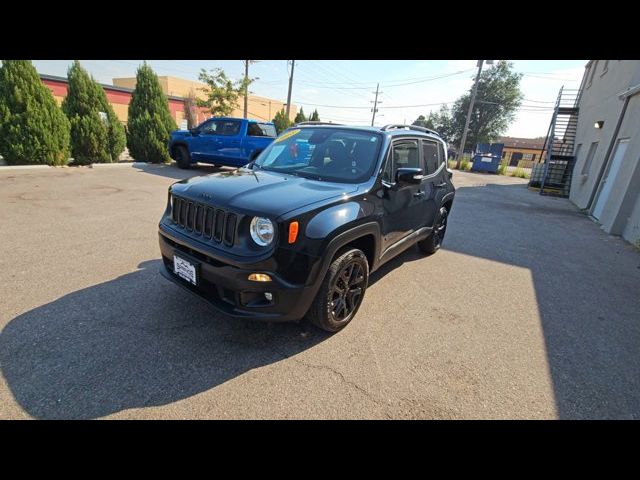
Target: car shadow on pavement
{"type": "Point", "coordinates": [135, 341]}
{"type": "Point", "coordinates": [172, 171]}
{"type": "Point", "coordinates": [586, 288]}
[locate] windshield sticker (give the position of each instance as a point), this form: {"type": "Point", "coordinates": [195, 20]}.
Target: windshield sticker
{"type": "Point", "coordinates": [287, 135]}
{"type": "Point", "coordinates": [273, 154]}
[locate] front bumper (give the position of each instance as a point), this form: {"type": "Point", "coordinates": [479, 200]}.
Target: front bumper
{"type": "Point", "coordinates": [227, 288]}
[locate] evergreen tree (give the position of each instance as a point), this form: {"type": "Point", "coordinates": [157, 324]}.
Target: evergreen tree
{"type": "Point", "coordinates": [149, 122]}
{"type": "Point", "coordinates": [89, 133]}
{"type": "Point", "coordinates": [314, 116]}
{"type": "Point", "coordinates": [300, 117]}
{"type": "Point", "coordinates": [281, 121]}
{"type": "Point", "coordinates": [33, 129]}
{"type": "Point", "coordinates": [115, 129]}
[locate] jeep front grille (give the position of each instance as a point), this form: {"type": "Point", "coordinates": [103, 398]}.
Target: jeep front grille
{"type": "Point", "coordinates": [202, 220]}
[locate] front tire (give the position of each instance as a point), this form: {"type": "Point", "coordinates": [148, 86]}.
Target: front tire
{"type": "Point", "coordinates": [341, 292]}
{"type": "Point", "coordinates": [433, 242]}
{"type": "Point", "coordinates": [183, 159]}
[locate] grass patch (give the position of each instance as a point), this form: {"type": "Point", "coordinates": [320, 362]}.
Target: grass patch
{"type": "Point", "coordinates": [520, 173]}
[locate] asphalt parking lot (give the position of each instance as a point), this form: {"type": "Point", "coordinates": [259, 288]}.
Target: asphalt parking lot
{"type": "Point", "coordinates": [529, 311]}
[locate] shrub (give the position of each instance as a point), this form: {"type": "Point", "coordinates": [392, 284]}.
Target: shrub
{"type": "Point", "coordinates": [149, 122]}
{"type": "Point", "coordinates": [465, 165]}
{"type": "Point", "coordinates": [33, 129]}
{"type": "Point", "coordinates": [520, 173]}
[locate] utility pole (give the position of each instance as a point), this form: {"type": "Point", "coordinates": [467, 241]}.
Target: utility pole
{"type": "Point", "coordinates": [293, 64]}
{"type": "Point", "coordinates": [466, 123]}
{"type": "Point", "coordinates": [375, 104]}
{"type": "Point", "coordinates": [246, 87]}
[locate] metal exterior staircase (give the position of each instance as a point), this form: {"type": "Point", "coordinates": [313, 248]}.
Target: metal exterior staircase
{"type": "Point", "coordinates": [553, 177]}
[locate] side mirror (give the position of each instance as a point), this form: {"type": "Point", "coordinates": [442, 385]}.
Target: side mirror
{"type": "Point", "coordinates": [408, 176]}
{"type": "Point", "coordinates": [194, 131]}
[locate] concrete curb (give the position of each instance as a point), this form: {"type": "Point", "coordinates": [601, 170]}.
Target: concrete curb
{"type": "Point", "coordinates": [4, 168]}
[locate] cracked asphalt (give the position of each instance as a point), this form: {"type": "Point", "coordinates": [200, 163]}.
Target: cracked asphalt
{"type": "Point", "coordinates": [528, 311]}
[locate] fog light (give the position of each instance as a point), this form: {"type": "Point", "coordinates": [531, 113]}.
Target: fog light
{"type": "Point", "coordinates": [259, 277]}
{"type": "Point", "coordinates": [268, 296]}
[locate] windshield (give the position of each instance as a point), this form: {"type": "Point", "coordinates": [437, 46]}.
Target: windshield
{"type": "Point", "coordinates": [330, 154]}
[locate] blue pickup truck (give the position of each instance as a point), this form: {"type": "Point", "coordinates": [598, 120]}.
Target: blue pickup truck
{"type": "Point", "coordinates": [227, 141]}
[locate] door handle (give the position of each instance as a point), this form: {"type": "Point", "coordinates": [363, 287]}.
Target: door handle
{"type": "Point", "coordinates": [441, 185]}
{"type": "Point", "coordinates": [419, 194]}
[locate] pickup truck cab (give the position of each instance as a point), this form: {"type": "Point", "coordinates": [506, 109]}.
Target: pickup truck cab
{"type": "Point", "coordinates": [227, 141]}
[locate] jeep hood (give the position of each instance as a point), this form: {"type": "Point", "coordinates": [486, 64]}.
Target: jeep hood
{"type": "Point", "coordinates": [259, 192]}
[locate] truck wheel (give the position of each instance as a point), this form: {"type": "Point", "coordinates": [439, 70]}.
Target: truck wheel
{"type": "Point", "coordinates": [341, 292]}
{"type": "Point", "coordinates": [432, 243]}
{"type": "Point", "coordinates": [182, 157]}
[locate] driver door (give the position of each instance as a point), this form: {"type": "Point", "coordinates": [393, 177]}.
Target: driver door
{"type": "Point", "coordinates": [403, 206]}
{"type": "Point", "coordinates": [204, 145]}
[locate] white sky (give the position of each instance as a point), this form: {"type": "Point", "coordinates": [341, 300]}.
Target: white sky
{"type": "Point", "coordinates": [343, 90]}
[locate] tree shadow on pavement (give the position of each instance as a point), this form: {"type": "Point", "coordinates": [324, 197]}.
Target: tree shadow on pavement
{"type": "Point", "coordinates": [135, 341]}
{"type": "Point", "coordinates": [586, 287]}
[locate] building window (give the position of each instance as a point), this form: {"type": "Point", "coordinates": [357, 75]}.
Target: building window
{"type": "Point", "coordinates": [589, 159]}
{"type": "Point", "coordinates": [605, 67]}
{"type": "Point", "coordinates": [527, 156]}
{"type": "Point", "coordinates": [592, 72]}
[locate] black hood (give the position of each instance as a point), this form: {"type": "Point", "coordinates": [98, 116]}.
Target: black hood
{"type": "Point", "coordinates": [259, 192]}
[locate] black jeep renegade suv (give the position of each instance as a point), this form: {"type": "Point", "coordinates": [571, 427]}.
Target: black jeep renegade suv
{"type": "Point", "coordinates": [299, 230]}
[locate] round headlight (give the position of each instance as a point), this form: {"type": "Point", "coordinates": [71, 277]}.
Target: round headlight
{"type": "Point", "coordinates": [262, 231]}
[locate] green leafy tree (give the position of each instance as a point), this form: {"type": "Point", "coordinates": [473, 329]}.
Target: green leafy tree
{"type": "Point", "coordinates": [300, 116]}
{"type": "Point", "coordinates": [281, 121]}
{"type": "Point", "coordinates": [439, 121]}
{"type": "Point", "coordinates": [497, 101]}
{"type": "Point", "coordinates": [94, 138]}
{"type": "Point", "coordinates": [33, 129]}
{"type": "Point", "coordinates": [221, 93]}
{"type": "Point", "coordinates": [314, 116]}
{"type": "Point", "coordinates": [149, 122]}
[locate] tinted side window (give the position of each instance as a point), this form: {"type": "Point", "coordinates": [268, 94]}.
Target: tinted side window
{"type": "Point", "coordinates": [261, 130]}
{"type": "Point", "coordinates": [209, 127]}
{"type": "Point", "coordinates": [430, 152]}
{"type": "Point", "coordinates": [441, 154]}
{"type": "Point", "coordinates": [406, 155]}
{"type": "Point", "coordinates": [221, 127]}
{"type": "Point", "coordinates": [403, 154]}
{"type": "Point", "coordinates": [387, 171]}
{"type": "Point", "coordinates": [254, 130]}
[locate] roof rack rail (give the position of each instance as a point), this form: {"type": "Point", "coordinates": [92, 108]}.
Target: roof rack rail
{"type": "Point", "coordinates": [316, 123]}
{"type": "Point", "coordinates": [398, 126]}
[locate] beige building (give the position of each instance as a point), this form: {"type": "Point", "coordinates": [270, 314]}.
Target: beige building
{"type": "Point", "coordinates": [259, 108]}
{"type": "Point", "coordinates": [606, 177]}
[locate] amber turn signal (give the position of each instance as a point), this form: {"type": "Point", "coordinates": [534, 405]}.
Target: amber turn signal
{"type": "Point", "coordinates": [293, 232]}
{"type": "Point", "coordinates": [259, 277]}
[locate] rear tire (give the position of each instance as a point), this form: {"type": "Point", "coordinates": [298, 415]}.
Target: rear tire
{"type": "Point", "coordinates": [341, 292]}
{"type": "Point", "coordinates": [182, 157]}
{"type": "Point", "coordinates": [433, 242]}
